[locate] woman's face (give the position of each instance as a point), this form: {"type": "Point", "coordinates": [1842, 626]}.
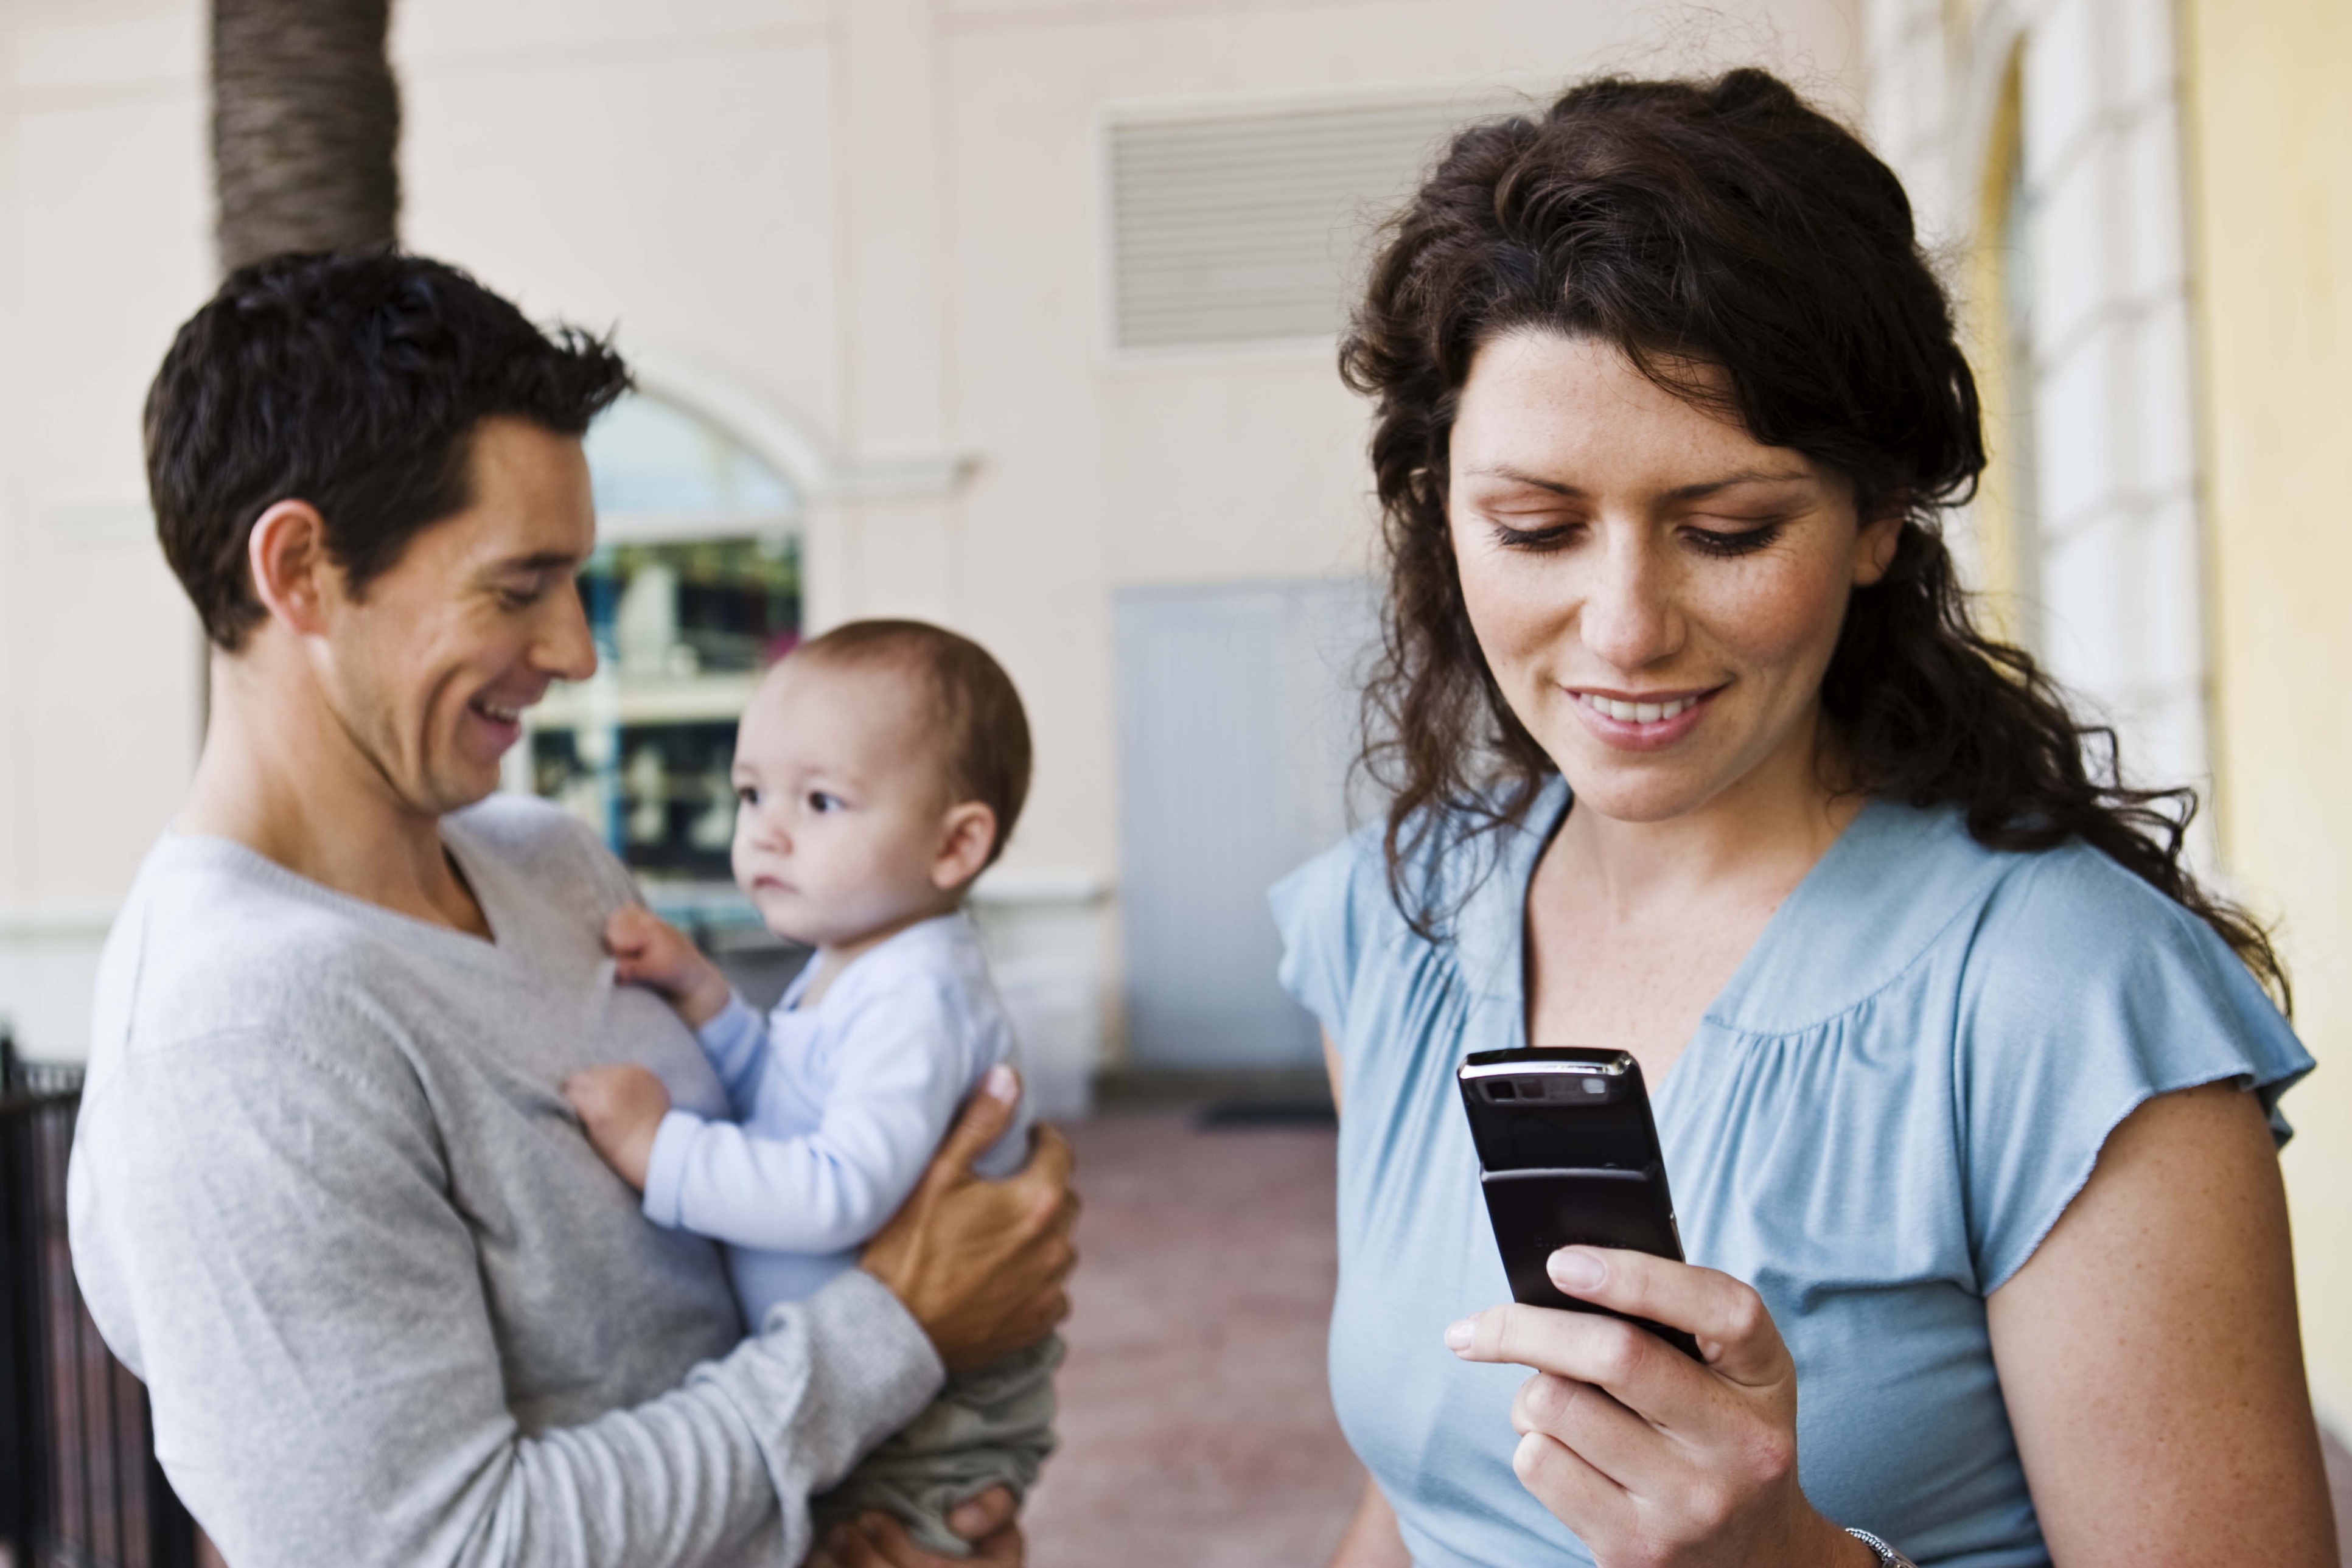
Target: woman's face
{"type": "Point", "coordinates": [1657, 593]}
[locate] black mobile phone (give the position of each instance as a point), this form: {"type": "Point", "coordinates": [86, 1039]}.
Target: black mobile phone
{"type": "Point", "coordinates": [1567, 1155]}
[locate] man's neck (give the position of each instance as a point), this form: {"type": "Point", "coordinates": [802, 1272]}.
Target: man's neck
{"type": "Point", "coordinates": [281, 776]}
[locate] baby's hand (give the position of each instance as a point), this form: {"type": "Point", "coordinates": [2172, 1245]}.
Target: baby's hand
{"type": "Point", "coordinates": [653, 953]}
{"type": "Point", "coordinates": [622, 1108]}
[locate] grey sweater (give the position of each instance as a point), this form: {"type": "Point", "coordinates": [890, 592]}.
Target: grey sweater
{"type": "Point", "coordinates": [327, 1200]}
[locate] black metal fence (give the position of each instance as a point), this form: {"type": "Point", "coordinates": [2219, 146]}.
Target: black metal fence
{"type": "Point", "coordinates": [79, 1486]}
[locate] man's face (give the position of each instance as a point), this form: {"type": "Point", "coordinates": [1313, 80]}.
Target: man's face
{"type": "Point", "coordinates": [429, 671]}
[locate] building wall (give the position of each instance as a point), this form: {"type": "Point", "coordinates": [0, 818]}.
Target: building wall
{"type": "Point", "coordinates": [2271, 121]}
{"type": "Point", "coordinates": [881, 220]}
{"type": "Point", "coordinates": [103, 250]}
{"type": "Point", "coordinates": [2189, 256]}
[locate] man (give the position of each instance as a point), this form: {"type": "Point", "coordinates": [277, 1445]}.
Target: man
{"type": "Point", "coordinates": [326, 1197]}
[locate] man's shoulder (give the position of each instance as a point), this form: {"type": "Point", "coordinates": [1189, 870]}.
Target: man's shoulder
{"type": "Point", "coordinates": [213, 940]}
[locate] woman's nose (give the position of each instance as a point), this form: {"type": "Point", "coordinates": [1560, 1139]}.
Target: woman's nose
{"type": "Point", "coordinates": [1629, 618]}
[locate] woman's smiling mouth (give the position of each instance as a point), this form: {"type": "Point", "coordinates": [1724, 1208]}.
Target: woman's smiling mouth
{"type": "Point", "coordinates": [1641, 721]}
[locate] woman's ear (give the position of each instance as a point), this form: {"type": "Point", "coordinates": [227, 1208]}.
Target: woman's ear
{"type": "Point", "coordinates": [1875, 544]}
{"type": "Point", "coordinates": [293, 575]}
{"type": "Point", "coordinates": [967, 836]}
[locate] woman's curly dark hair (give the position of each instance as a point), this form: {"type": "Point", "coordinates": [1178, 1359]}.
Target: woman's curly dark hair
{"type": "Point", "coordinates": [1751, 256]}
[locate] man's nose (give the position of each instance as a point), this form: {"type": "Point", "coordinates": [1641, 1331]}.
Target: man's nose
{"type": "Point", "coordinates": [567, 649]}
{"type": "Point", "coordinates": [1628, 617]}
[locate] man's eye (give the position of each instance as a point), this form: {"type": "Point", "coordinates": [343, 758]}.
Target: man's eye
{"type": "Point", "coordinates": [519, 597]}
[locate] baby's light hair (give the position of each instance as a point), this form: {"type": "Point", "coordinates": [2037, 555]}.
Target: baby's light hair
{"type": "Point", "coordinates": [983, 731]}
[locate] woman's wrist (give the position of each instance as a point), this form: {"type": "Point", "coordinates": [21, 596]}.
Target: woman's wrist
{"type": "Point", "coordinates": [1884, 1556]}
{"type": "Point", "coordinates": [1824, 1544]}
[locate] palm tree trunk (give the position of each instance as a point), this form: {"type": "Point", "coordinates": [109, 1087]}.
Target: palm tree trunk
{"type": "Point", "coordinates": [305, 127]}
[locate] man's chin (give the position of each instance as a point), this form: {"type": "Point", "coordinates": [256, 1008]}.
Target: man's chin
{"type": "Point", "coordinates": [454, 788]}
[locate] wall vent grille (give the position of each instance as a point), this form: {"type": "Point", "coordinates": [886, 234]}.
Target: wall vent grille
{"type": "Point", "coordinates": [1246, 228]}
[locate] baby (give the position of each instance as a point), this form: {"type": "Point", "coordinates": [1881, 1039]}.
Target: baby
{"type": "Point", "coordinates": [879, 770]}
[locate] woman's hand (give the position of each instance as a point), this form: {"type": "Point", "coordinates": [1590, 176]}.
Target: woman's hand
{"type": "Point", "coordinates": [877, 1541]}
{"type": "Point", "coordinates": [1653, 1461]}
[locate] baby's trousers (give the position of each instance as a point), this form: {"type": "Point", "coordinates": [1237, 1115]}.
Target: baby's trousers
{"type": "Point", "coordinates": [990, 1428]}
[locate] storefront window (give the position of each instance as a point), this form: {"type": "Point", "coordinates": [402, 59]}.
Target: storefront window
{"type": "Point", "coordinates": [693, 588]}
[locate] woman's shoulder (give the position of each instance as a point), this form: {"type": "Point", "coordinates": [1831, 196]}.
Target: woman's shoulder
{"type": "Point", "coordinates": [2071, 921]}
{"type": "Point", "coordinates": [1336, 880]}
{"type": "Point", "coordinates": [1436, 893]}
{"type": "Point", "coordinates": [1330, 912]}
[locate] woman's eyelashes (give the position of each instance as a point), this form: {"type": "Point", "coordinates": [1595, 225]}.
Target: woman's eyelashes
{"type": "Point", "coordinates": [1550, 538]}
{"type": "Point", "coordinates": [1732, 542]}
{"type": "Point", "coordinates": [1718, 542]}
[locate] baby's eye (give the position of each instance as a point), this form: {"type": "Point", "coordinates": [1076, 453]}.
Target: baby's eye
{"type": "Point", "coordinates": [747, 794]}
{"type": "Point", "coordinates": [821, 802]}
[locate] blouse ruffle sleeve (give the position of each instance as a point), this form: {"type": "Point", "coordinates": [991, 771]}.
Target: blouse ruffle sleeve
{"type": "Point", "coordinates": [1321, 911]}
{"type": "Point", "coordinates": [2090, 993]}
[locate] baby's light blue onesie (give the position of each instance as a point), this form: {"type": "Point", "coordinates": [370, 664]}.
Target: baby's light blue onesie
{"type": "Point", "coordinates": [838, 1109]}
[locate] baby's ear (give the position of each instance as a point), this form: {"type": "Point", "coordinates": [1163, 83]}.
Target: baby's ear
{"type": "Point", "coordinates": [967, 838]}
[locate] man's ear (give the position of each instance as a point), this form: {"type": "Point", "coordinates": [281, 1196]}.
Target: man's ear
{"type": "Point", "coordinates": [967, 834]}
{"type": "Point", "coordinates": [293, 576]}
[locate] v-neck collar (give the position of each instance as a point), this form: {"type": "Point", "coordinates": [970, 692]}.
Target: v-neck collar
{"type": "Point", "coordinates": [1878, 896]}
{"type": "Point", "coordinates": [498, 951]}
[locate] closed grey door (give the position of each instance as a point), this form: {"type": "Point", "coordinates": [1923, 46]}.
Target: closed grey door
{"type": "Point", "coordinates": [1237, 715]}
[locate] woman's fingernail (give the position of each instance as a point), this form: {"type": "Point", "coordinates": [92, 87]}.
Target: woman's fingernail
{"type": "Point", "coordinates": [1577, 1269]}
{"type": "Point", "coordinates": [1457, 1334]}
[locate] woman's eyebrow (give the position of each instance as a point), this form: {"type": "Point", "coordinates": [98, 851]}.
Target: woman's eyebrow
{"type": "Point", "coordinates": [1521, 476]}
{"type": "Point", "coordinates": [1745, 477]}
{"type": "Point", "coordinates": [1679, 493]}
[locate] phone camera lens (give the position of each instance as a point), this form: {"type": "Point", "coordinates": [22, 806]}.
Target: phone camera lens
{"type": "Point", "coordinates": [1501, 1090]}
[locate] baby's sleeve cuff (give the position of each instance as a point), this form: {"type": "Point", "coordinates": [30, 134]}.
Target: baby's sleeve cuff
{"type": "Point", "coordinates": [730, 1030]}
{"type": "Point", "coordinates": [665, 1167]}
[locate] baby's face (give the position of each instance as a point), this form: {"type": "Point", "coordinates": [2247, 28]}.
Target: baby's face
{"type": "Point", "coordinates": [840, 811]}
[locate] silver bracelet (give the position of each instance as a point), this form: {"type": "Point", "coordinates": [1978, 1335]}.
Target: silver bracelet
{"type": "Point", "coordinates": [1887, 1557]}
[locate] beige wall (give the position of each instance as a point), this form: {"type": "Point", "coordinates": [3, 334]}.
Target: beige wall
{"type": "Point", "coordinates": [882, 217]}
{"type": "Point", "coordinates": [2271, 124]}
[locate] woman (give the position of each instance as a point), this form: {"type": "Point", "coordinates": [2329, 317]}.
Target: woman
{"type": "Point", "coordinates": [1694, 752]}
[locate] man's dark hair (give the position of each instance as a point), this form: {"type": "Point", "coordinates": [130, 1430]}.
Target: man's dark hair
{"type": "Point", "coordinates": [353, 381]}
{"type": "Point", "coordinates": [976, 716]}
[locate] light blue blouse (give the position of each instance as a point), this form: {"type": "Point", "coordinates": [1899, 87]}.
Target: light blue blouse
{"type": "Point", "coordinates": [1888, 1107]}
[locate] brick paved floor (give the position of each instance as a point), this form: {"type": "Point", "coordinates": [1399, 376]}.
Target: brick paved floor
{"type": "Point", "coordinates": [1196, 1419]}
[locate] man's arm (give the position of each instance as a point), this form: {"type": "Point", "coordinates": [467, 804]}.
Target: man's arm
{"type": "Point", "coordinates": [277, 1250]}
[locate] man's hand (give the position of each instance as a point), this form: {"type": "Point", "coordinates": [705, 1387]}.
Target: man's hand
{"type": "Point", "coordinates": [877, 1541]}
{"type": "Point", "coordinates": [621, 1107]}
{"type": "Point", "coordinates": [651, 952]}
{"type": "Point", "coordinates": [980, 1264]}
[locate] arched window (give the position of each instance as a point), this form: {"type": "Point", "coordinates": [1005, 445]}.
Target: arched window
{"type": "Point", "coordinates": [695, 588]}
